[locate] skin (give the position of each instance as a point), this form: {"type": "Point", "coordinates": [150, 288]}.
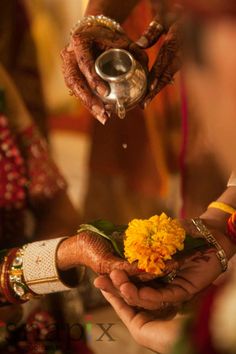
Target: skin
{"type": "Point", "coordinates": [93, 251]}
{"type": "Point", "coordinates": [78, 58]}
{"type": "Point", "coordinates": [191, 278]}
{"type": "Point", "coordinates": [148, 331]}
{"type": "Point", "coordinates": [217, 78]}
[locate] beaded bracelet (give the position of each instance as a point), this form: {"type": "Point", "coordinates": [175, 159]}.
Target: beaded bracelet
{"type": "Point", "coordinates": [220, 254]}
{"type": "Point", "coordinates": [101, 20]}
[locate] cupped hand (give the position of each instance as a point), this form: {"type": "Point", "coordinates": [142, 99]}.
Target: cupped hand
{"type": "Point", "coordinates": [147, 330]}
{"type": "Point", "coordinates": [195, 273]}
{"type": "Point", "coordinates": [78, 58]}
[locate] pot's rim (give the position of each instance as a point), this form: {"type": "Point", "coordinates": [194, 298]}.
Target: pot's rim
{"type": "Point", "coordinates": [121, 77]}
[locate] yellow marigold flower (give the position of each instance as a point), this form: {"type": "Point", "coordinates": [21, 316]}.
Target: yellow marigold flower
{"type": "Point", "coordinates": [152, 242]}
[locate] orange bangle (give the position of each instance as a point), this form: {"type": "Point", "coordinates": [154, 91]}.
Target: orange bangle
{"type": "Point", "coordinates": [231, 228]}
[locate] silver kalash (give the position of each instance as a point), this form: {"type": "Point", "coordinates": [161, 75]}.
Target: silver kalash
{"type": "Point", "coordinates": [126, 77]}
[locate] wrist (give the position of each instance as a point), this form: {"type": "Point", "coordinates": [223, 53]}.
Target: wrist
{"type": "Point", "coordinates": [110, 9]}
{"type": "Point", "coordinates": [216, 221]}
{"type": "Point", "coordinates": [66, 257]}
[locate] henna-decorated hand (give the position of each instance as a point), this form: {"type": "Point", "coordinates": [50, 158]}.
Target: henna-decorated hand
{"type": "Point", "coordinates": [195, 273]}
{"type": "Point", "coordinates": [168, 60]}
{"type": "Point", "coordinates": [86, 44]}
{"type": "Point", "coordinates": [93, 251]}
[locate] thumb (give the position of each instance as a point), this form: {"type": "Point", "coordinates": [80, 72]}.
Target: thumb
{"type": "Point", "coordinates": [151, 35]}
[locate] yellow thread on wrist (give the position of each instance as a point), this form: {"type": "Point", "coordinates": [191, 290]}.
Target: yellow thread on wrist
{"type": "Point", "coordinates": [222, 206]}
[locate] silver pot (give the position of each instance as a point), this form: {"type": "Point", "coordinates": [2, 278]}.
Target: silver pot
{"type": "Point", "coordinates": [126, 77]}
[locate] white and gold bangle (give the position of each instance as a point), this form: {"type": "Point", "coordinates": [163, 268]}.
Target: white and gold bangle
{"type": "Point", "coordinates": [101, 20]}
{"type": "Point", "coordinates": [40, 269]}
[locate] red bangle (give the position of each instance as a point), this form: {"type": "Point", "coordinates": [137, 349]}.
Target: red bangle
{"type": "Point", "coordinates": [231, 227]}
{"type": "Point", "coordinates": [4, 281]}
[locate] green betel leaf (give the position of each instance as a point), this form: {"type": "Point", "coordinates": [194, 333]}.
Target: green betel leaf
{"type": "Point", "coordinates": [108, 227]}
{"type": "Point", "coordinates": [89, 227]}
{"type": "Point", "coordinates": [192, 243]}
{"type": "Point", "coordinates": [105, 229]}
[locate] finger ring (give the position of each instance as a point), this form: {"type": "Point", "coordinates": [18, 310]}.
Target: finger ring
{"type": "Point", "coordinates": [170, 277]}
{"type": "Point", "coordinates": [157, 25]}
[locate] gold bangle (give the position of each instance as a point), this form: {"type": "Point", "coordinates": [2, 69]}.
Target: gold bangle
{"type": "Point", "coordinates": [222, 206]}
{"type": "Point", "coordinates": [101, 20]}
{"type": "Point", "coordinates": [16, 278]}
{"type": "Point", "coordinates": [220, 254]}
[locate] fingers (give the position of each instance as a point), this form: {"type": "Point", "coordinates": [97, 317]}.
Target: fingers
{"type": "Point", "coordinates": [76, 82]}
{"type": "Point", "coordinates": [139, 54]}
{"type": "Point", "coordinates": [124, 311]}
{"type": "Point", "coordinates": [160, 82]}
{"type": "Point", "coordinates": [170, 294]}
{"type": "Point", "coordinates": [86, 62]}
{"type": "Point", "coordinates": [151, 35]}
{"type": "Point", "coordinates": [130, 269]}
{"type": "Point", "coordinates": [159, 26]}
{"type": "Point", "coordinates": [166, 65]}
{"type": "Point", "coordinates": [129, 291]}
{"type": "Point", "coordinates": [103, 282]}
{"type": "Point", "coordinates": [145, 297]}
{"type": "Point", "coordinates": [88, 45]}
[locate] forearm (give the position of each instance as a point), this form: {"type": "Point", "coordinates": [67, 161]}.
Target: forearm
{"type": "Point", "coordinates": [111, 8]}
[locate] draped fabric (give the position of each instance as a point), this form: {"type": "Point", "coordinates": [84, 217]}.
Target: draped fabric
{"type": "Point", "coordinates": [131, 160]}
{"type": "Point", "coordinates": [19, 57]}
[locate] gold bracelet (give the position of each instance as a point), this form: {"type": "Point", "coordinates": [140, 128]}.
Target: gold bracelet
{"type": "Point", "coordinates": [220, 254]}
{"type": "Point", "coordinates": [101, 20]}
{"type": "Point", "coordinates": [16, 278]}
{"type": "Point", "coordinates": [222, 206]}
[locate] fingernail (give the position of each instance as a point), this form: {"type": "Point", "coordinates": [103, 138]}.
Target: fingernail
{"type": "Point", "coordinates": [153, 85]}
{"type": "Point", "coordinates": [102, 90]}
{"type": "Point", "coordinates": [146, 103]}
{"type": "Point", "coordinates": [99, 115]}
{"type": "Point", "coordinates": [102, 120]}
{"type": "Point", "coordinates": [142, 42]}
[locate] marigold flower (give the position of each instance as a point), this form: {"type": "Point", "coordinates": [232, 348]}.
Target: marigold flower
{"type": "Point", "coordinates": [152, 242]}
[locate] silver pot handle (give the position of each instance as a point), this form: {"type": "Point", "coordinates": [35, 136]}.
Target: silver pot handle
{"type": "Point", "coordinates": [120, 109]}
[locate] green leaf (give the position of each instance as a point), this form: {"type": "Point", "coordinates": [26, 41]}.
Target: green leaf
{"type": "Point", "coordinates": [98, 230]}
{"type": "Point", "coordinates": [107, 226]}
{"type": "Point", "coordinates": [88, 227]}
{"type": "Point", "coordinates": [191, 243]}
